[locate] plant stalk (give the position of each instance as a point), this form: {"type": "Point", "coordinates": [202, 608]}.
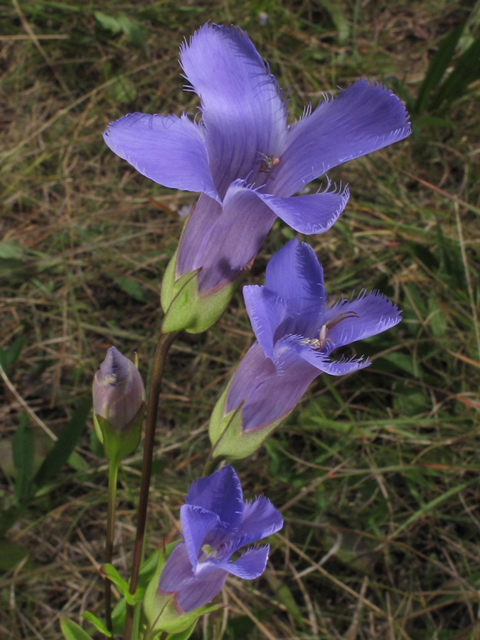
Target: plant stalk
{"type": "Point", "coordinates": [163, 345]}
{"type": "Point", "coordinates": [112, 497]}
{"type": "Point", "coordinates": [210, 465]}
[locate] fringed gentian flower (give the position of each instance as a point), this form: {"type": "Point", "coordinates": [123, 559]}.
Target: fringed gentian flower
{"type": "Point", "coordinates": [244, 158]}
{"type": "Point", "coordinates": [118, 404]}
{"type": "Point", "coordinates": [296, 331]}
{"type": "Point", "coordinates": [216, 523]}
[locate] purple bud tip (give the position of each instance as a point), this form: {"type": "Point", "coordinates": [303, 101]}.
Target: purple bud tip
{"type": "Point", "coordinates": [118, 391]}
{"type": "Point", "coordinates": [114, 370]}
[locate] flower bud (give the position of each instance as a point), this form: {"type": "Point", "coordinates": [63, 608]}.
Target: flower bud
{"type": "Point", "coordinates": [118, 404]}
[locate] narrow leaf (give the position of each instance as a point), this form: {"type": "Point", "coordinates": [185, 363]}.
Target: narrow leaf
{"type": "Point", "coordinates": [10, 251]}
{"type": "Point", "coordinates": [466, 70]}
{"type": "Point", "coordinates": [132, 287]}
{"type": "Point", "coordinates": [109, 23]}
{"type": "Point", "coordinates": [71, 631]}
{"type": "Point", "coordinates": [64, 446]}
{"type": "Point", "coordinates": [121, 24]}
{"type": "Point", "coordinates": [338, 13]}
{"type": "Point", "coordinates": [11, 555]}
{"type": "Point", "coordinates": [118, 616]}
{"type": "Point", "coordinates": [437, 68]}
{"type": "Point", "coordinates": [23, 451]}
{"type": "Point", "coordinates": [183, 635]}
{"type": "Point", "coordinates": [97, 623]}
{"type": "Point", "coordinates": [12, 354]}
{"type": "Point", "coordinates": [112, 574]}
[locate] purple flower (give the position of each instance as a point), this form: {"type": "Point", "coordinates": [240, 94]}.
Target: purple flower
{"type": "Point", "coordinates": [296, 331]}
{"type": "Point", "coordinates": [118, 391]}
{"type": "Point", "coordinates": [244, 159]}
{"type": "Point", "coordinates": [215, 524]}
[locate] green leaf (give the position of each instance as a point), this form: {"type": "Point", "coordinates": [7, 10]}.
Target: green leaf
{"type": "Point", "coordinates": [11, 555]}
{"type": "Point", "coordinates": [95, 445]}
{"type": "Point", "coordinates": [183, 635]}
{"type": "Point", "coordinates": [46, 288]}
{"type": "Point", "coordinates": [466, 71]}
{"type": "Point", "coordinates": [432, 121]}
{"type": "Point", "coordinates": [338, 13]}
{"type": "Point", "coordinates": [10, 251]}
{"type": "Point", "coordinates": [437, 68]}
{"type": "Point", "coordinates": [416, 301]}
{"type": "Point", "coordinates": [23, 451]}
{"type": "Point", "coordinates": [71, 631]}
{"type": "Point", "coordinates": [399, 361]}
{"type": "Point", "coordinates": [123, 91]}
{"type": "Point", "coordinates": [112, 574]}
{"type": "Point", "coordinates": [11, 355]}
{"type": "Point", "coordinates": [109, 23]}
{"type": "Point", "coordinates": [285, 596]}
{"type": "Point", "coordinates": [410, 402]}
{"type": "Point", "coordinates": [121, 24]}
{"type": "Point", "coordinates": [77, 462]}
{"type": "Point", "coordinates": [436, 317]}
{"type": "Point", "coordinates": [97, 623]}
{"type": "Point", "coordinates": [239, 627]}
{"type": "Point", "coordinates": [9, 517]}
{"type": "Point", "coordinates": [118, 616]}
{"type": "Point", "coordinates": [132, 287]}
{"type": "Point", "coordinates": [148, 568]}
{"type": "Point", "coordinates": [64, 446]}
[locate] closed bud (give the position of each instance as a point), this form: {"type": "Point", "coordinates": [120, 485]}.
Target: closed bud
{"type": "Point", "coordinates": [118, 404]}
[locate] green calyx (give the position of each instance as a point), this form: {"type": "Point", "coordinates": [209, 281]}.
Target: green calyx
{"type": "Point", "coordinates": [161, 610]}
{"type": "Point", "coordinates": [185, 308]}
{"type": "Point", "coordinates": [227, 435]}
{"type": "Point", "coordinates": [119, 443]}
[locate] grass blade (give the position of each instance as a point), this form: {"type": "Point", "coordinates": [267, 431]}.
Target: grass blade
{"type": "Point", "coordinates": [465, 72]}
{"type": "Point", "coordinates": [65, 444]}
{"type": "Point", "coordinates": [437, 68]}
{"type": "Point", "coordinates": [23, 451]}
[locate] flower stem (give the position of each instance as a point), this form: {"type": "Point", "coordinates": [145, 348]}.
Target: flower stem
{"type": "Point", "coordinates": [163, 345]}
{"type": "Point", "coordinates": [112, 496]}
{"type": "Point", "coordinates": [210, 466]}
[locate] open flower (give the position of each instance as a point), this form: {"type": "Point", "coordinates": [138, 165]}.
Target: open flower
{"type": "Point", "coordinates": [244, 159]}
{"type": "Point", "coordinates": [216, 523]}
{"type": "Point", "coordinates": [296, 331]}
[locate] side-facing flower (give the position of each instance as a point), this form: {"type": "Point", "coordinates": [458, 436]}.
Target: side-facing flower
{"type": "Point", "coordinates": [118, 404]}
{"type": "Point", "coordinates": [216, 523]}
{"type": "Point", "coordinates": [296, 331]}
{"type": "Point", "coordinates": [246, 162]}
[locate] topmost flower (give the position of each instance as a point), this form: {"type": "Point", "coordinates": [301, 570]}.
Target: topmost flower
{"type": "Point", "coordinates": [244, 158]}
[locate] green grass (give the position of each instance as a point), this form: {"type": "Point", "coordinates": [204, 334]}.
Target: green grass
{"type": "Point", "coordinates": [376, 473]}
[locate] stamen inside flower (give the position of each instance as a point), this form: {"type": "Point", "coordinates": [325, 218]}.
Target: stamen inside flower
{"type": "Point", "coordinates": [207, 552]}
{"type": "Point", "coordinates": [318, 343]}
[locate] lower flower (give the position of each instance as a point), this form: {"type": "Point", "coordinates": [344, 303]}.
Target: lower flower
{"type": "Point", "coordinates": [216, 524]}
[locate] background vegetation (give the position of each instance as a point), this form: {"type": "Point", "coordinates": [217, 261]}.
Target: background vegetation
{"type": "Point", "coordinates": [376, 473]}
